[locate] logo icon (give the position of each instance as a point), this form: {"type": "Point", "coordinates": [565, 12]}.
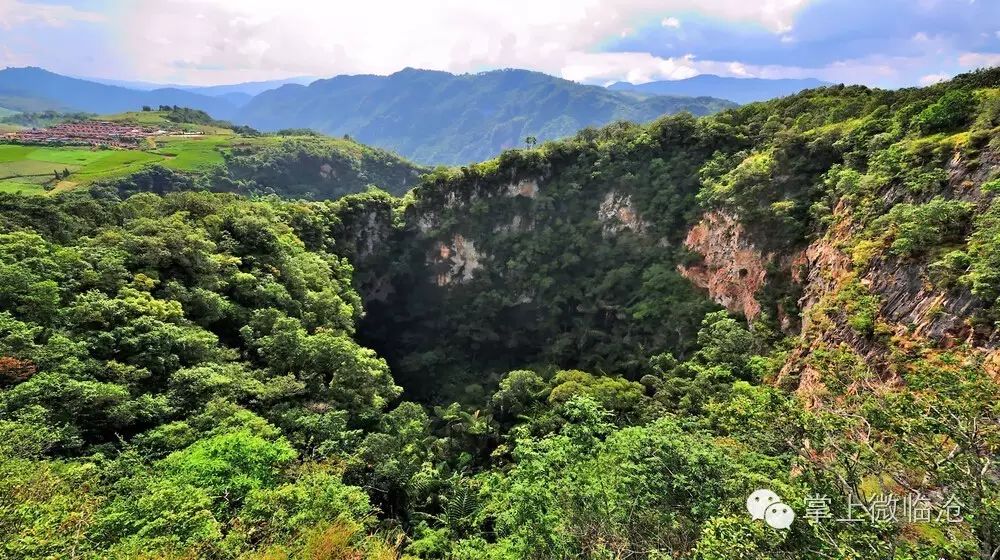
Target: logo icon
{"type": "Point", "coordinates": [765, 504]}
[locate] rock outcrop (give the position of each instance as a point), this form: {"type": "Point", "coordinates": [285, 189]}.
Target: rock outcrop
{"type": "Point", "coordinates": [454, 262]}
{"type": "Point", "coordinates": [733, 270]}
{"type": "Point", "coordinates": [617, 213]}
{"type": "Point", "coordinates": [909, 310]}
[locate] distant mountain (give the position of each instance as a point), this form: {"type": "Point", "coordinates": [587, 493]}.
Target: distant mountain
{"type": "Point", "coordinates": [248, 88]}
{"type": "Point", "coordinates": [35, 89]}
{"type": "Point", "coordinates": [440, 118]}
{"type": "Point", "coordinates": [740, 90]}
{"type": "Point", "coordinates": [427, 116]}
{"type": "Point", "coordinates": [23, 104]}
{"type": "Point", "coordinates": [237, 94]}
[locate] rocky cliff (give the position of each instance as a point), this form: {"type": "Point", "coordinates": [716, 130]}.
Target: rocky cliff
{"type": "Point", "coordinates": [910, 308]}
{"type": "Point", "coordinates": [821, 216]}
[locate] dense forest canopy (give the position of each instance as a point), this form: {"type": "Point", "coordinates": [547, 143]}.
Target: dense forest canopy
{"type": "Point", "coordinates": [516, 359]}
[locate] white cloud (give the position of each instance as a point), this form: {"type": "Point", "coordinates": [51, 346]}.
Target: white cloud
{"type": "Point", "coordinates": [933, 79]}
{"type": "Point", "coordinates": [738, 69]}
{"type": "Point", "coordinates": [670, 22]}
{"type": "Point", "coordinates": [15, 13]}
{"type": "Point", "coordinates": [203, 41]}
{"type": "Point", "coordinates": [637, 68]}
{"type": "Point", "coordinates": [971, 60]}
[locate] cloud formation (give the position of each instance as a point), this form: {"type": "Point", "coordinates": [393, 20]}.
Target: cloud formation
{"type": "Point", "coordinates": [203, 39]}
{"type": "Point", "coordinates": [885, 42]}
{"type": "Point", "coordinates": [16, 13]}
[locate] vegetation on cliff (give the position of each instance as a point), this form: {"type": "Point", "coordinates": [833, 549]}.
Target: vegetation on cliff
{"type": "Point", "coordinates": [511, 362]}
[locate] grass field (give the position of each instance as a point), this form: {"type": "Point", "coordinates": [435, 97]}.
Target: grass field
{"type": "Point", "coordinates": [193, 153]}
{"type": "Point", "coordinates": [30, 168]}
{"type": "Point", "coordinates": [186, 147]}
{"type": "Point", "coordinates": [16, 187]}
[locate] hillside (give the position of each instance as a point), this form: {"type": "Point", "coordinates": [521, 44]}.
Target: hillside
{"type": "Point", "coordinates": [440, 118]}
{"type": "Point", "coordinates": [428, 117]}
{"type": "Point", "coordinates": [596, 348]}
{"type": "Point", "coordinates": [740, 90]}
{"type": "Point", "coordinates": [35, 89]}
{"type": "Point", "coordinates": [853, 229]}
{"type": "Point", "coordinates": [196, 151]}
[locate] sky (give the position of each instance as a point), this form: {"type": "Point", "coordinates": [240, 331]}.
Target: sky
{"type": "Point", "coordinates": [886, 43]}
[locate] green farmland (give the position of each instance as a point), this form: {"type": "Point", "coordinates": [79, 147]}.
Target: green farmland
{"type": "Point", "coordinates": [227, 156]}
{"type": "Point", "coordinates": [33, 169]}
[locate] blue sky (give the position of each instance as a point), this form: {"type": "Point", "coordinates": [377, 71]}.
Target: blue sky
{"type": "Point", "coordinates": [888, 43]}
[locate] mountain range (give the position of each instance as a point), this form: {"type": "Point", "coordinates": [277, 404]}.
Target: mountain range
{"type": "Point", "coordinates": [740, 90]}
{"type": "Point", "coordinates": [430, 117]}
{"type": "Point", "coordinates": [237, 94]}
{"type": "Point", "coordinates": [34, 89]}
{"type": "Point", "coordinates": [437, 117]}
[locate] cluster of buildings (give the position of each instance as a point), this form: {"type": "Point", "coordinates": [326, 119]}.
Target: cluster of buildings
{"type": "Point", "coordinates": [86, 133]}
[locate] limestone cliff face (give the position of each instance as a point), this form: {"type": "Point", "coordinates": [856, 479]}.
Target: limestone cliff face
{"type": "Point", "coordinates": [455, 261]}
{"type": "Point", "coordinates": [910, 310]}
{"type": "Point", "coordinates": [452, 257]}
{"type": "Point", "coordinates": [733, 270]}
{"type": "Point", "coordinates": [617, 213]}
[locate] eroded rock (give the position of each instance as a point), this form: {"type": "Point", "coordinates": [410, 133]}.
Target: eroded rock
{"type": "Point", "coordinates": [527, 188]}
{"type": "Point", "coordinates": [455, 262]}
{"type": "Point", "coordinates": [733, 270]}
{"type": "Point", "coordinates": [617, 213]}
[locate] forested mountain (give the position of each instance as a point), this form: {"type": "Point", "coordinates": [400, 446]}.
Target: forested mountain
{"type": "Point", "coordinates": [35, 89]}
{"type": "Point", "coordinates": [740, 90]}
{"type": "Point", "coordinates": [305, 167]}
{"type": "Point", "coordinates": [596, 348]}
{"type": "Point", "coordinates": [441, 118]}
{"type": "Point", "coordinates": [429, 117]}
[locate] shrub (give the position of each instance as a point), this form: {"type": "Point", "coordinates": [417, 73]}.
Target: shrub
{"type": "Point", "coordinates": [953, 110]}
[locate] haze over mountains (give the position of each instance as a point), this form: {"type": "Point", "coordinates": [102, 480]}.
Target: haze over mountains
{"type": "Point", "coordinates": [428, 116]}
{"type": "Point", "coordinates": [740, 90]}
{"type": "Point", "coordinates": [34, 89]}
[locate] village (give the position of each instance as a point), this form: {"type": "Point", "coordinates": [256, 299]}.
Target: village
{"type": "Point", "coordinates": [86, 133]}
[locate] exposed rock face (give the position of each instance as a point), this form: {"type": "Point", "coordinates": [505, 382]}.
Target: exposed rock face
{"type": "Point", "coordinates": [526, 188]}
{"type": "Point", "coordinates": [517, 224]}
{"type": "Point", "coordinates": [455, 262]}
{"type": "Point", "coordinates": [733, 269]}
{"type": "Point", "coordinates": [426, 222]}
{"type": "Point", "coordinates": [823, 266]}
{"type": "Point", "coordinates": [617, 213]}
{"type": "Point", "coordinates": [372, 234]}
{"type": "Point", "coordinates": [912, 312]}
{"type": "Point", "coordinates": [910, 301]}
